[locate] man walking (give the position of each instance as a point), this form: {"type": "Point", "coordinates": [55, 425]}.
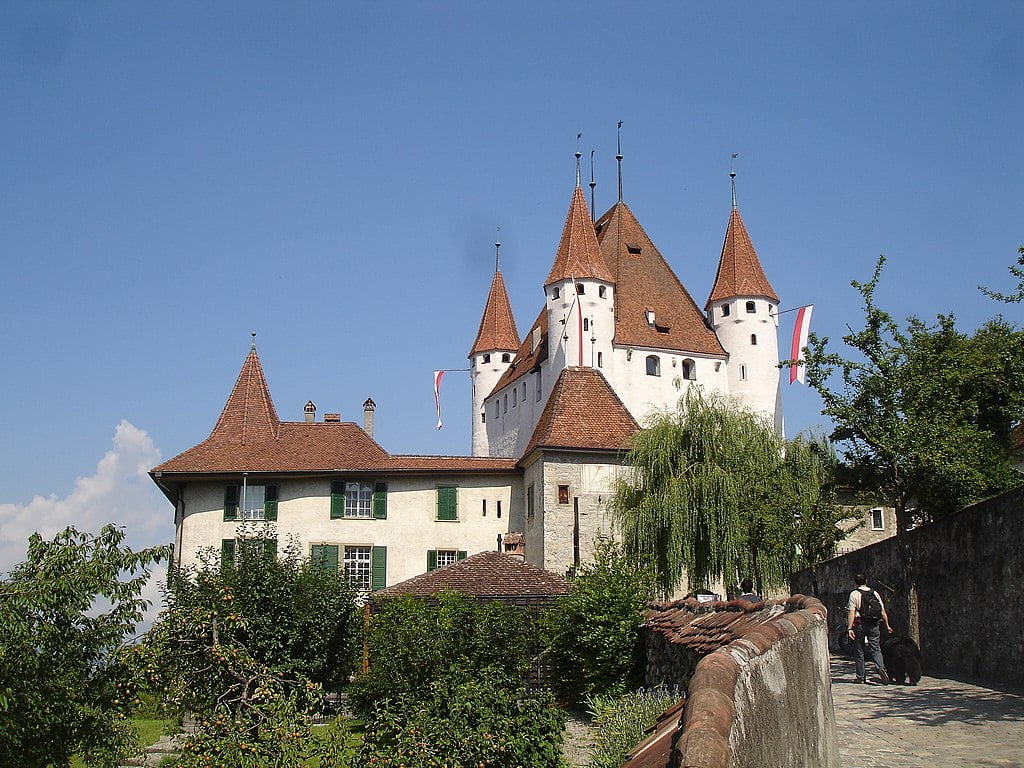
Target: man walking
{"type": "Point", "coordinates": [864, 612]}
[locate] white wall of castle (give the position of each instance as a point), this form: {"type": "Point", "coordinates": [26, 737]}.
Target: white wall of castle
{"type": "Point", "coordinates": [485, 369]}
{"type": "Point", "coordinates": [410, 530]}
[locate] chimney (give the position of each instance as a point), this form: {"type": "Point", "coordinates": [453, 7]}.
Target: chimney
{"type": "Point", "coordinates": [515, 545]}
{"type": "Point", "coordinates": [368, 408]}
{"type": "Point", "coordinates": [333, 418]}
{"type": "Point", "coordinates": [310, 410]}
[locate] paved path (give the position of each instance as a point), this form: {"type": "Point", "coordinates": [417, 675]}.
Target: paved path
{"type": "Point", "coordinates": [940, 723]}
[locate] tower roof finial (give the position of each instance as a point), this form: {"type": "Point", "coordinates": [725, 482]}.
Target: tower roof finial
{"type": "Point", "coordinates": [732, 177]}
{"type": "Point", "coordinates": [618, 155]}
{"type": "Point", "coordinates": [592, 184]}
{"type": "Point", "coordinates": [497, 249]}
{"type": "Point", "coordinates": [578, 156]}
{"type": "Point", "coordinates": [252, 348]}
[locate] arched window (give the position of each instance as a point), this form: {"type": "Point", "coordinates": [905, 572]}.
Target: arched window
{"type": "Point", "coordinates": [505, 357]}
{"type": "Point", "coordinates": [753, 339]}
{"type": "Point", "coordinates": [653, 365]}
{"type": "Point", "coordinates": [689, 369]}
{"type": "Point", "coordinates": [751, 307]}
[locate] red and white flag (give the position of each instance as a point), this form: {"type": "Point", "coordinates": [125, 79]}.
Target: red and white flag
{"type": "Point", "coordinates": [438, 375]}
{"type": "Point", "coordinates": [800, 331]}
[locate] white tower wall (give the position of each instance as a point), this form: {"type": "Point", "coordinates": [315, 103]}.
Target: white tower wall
{"type": "Point", "coordinates": [749, 333]}
{"type": "Point", "coordinates": [486, 368]}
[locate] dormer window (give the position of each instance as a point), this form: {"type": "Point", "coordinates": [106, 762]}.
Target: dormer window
{"type": "Point", "coordinates": [602, 291]}
{"type": "Point", "coordinates": [649, 316]}
{"type": "Point", "coordinates": [635, 250]}
{"type": "Point", "coordinates": [751, 308]}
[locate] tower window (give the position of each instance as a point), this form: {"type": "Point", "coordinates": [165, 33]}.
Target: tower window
{"type": "Point", "coordinates": [600, 359]}
{"type": "Point", "coordinates": [586, 323]}
{"type": "Point", "coordinates": [689, 369]}
{"type": "Point", "coordinates": [538, 386]}
{"type": "Point", "coordinates": [743, 373]}
{"type": "Point", "coordinates": [499, 508]}
{"type": "Point", "coordinates": [753, 339]}
{"type": "Point", "coordinates": [602, 291]}
{"type": "Point", "coordinates": [579, 289]}
{"type": "Point", "coordinates": [653, 365]}
{"type": "Point", "coordinates": [487, 358]}
{"type": "Point", "coordinates": [751, 307]}
{"type": "Point", "coordinates": [483, 508]}
{"type": "Point", "coordinates": [497, 409]}
{"type": "Point", "coordinates": [504, 407]}
{"type": "Point", "coordinates": [515, 397]}
{"type": "Point", "coordinates": [556, 292]}
{"type": "Point", "coordinates": [725, 310]}
{"type": "Point", "coordinates": [505, 357]}
{"type": "Point", "coordinates": [483, 417]}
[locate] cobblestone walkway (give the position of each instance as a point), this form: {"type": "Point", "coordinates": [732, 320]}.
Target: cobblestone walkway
{"type": "Point", "coordinates": [940, 723]}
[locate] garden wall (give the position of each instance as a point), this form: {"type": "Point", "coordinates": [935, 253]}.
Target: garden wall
{"type": "Point", "coordinates": [968, 568]}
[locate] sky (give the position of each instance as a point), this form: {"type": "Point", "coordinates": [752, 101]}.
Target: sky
{"type": "Point", "coordinates": [331, 176]}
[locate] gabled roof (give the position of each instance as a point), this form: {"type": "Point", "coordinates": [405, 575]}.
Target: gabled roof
{"type": "Point", "coordinates": [644, 281]}
{"type": "Point", "coordinates": [578, 255]}
{"type": "Point", "coordinates": [249, 415]}
{"type": "Point", "coordinates": [485, 574]}
{"type": "Point", "coordinates": [527, 357]}
{"type": "Point", "coordinates": [583, 412]}
{"type": "Point", "coordinates": [497, 326]}
{"type": "Point", "coordinates": [739, 271]}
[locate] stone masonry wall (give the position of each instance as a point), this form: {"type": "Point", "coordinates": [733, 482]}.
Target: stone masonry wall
{"type": "Point", "coordinates": [968, 566]}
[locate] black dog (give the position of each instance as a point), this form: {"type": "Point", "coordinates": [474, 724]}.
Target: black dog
{"type": "Point", "coordinates": [902, 659]}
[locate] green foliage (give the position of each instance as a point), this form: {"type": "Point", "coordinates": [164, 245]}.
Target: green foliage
{"type": "Point", "coordinates": [924, 412]}
{"type": "Point", "coordinates": [472, 722]}
{"type": "Point", "coordinates": [413, 643]}
{"type": "Point", "coordinates": [711, 496]}
{"type": "Point", "coordinates": [1018, 272]}
{"type": "Point", "coordinates": [622, 721]}
{"type": "Point", "coordinates": [593, 635]}
{"type": "Point", "coordinates": [64, 613]}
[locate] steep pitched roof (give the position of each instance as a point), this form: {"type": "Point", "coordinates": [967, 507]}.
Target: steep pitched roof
{"type": "Point", "coordinates": [497, 326]}
{"type": "Point", "coordinates": [583, 412]}
{"type": "Point", "coordinates": [578, 254]}
{"type": "Point", "coordinates": [249, 415]}
{"type": "Point", "coordinates": [739, 271]}
{"type": "Point", "coordinates": [644, 281]}
{"type": "Point", "coordinates": [527, 357]}
{"type": "Point", "coordinates": [485, 574]}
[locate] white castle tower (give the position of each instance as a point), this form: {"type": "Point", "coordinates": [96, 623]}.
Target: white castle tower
{"type": "Point", "coordinates": [743, 309]}
{"type": "Point", "coordinates": [496, 343]}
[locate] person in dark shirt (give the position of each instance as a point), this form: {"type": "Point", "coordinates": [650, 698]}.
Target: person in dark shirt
{"type": "Point", "coordinates": [747, 585]}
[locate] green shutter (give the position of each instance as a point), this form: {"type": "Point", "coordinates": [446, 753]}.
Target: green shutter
{"type": "Point", "coordinates": [337, 499]}
{"type": "Point", "coordinates": [324, 556]}
{"type": "Point", "coordinates": [270, 503]}
{"type": "Point", "coordinates": [447, 503]}
{"type": "Point", "coordinates": [227, 552]}
{"type": "Point", "coordinates": [431, 559]}
{"type": "Point", "coordinates": [460, 555]}
{"type": "Point", "coordinates": [378, 568]}
{"type": "Point", "coordinates": [380, 501]}
{"type": "Point", "coordinates": [230, 502]}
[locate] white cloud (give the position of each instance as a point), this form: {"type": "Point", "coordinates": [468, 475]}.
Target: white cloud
{"type": "Point", "coordinates": [120, 492]}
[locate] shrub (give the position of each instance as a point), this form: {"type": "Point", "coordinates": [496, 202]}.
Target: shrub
{"type": "Point", "coordinates": [621, 722]}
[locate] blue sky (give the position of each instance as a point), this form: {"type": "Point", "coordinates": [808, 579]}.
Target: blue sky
{"type": "Point", "coordinates": [331, 175]}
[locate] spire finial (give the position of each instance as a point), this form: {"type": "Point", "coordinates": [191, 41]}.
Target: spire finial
{"type": "Point", "coordinates": [578, 156]}
{"type": "Point", "coordinates": [732, 177]}
{"type": "Point", "coordinates": [592, 184]}
{"type": "Point", "coordinates": [497, 249]}
{"type": "Point", "coordinates": [253, 347]}
{"type": "Point", "coordinates": [618, 155]}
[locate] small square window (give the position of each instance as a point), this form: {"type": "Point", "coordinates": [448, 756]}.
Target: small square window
{"type": "Point", "coordinates": [751, 307]}
{"type": "Point", "coordinates": [563, 494]}
{"type": "Point", "coordinates": [725, 310]}
{"type": "Point", "coordinates": [447, 557]}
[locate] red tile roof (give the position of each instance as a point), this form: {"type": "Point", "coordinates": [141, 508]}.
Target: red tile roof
{"type": "Point", "coordinates": [645, 281]}
{"type": "Point", "coordinates": [739, 271]}
{"type": "Point", "coordinates": [485, 574]}
{"type": "Point", "coordinates": [584, 412]}
{"type": "Point", "coordinates": [497, 326]}
{"type": "Point", "coordinates": [578, 254]}
{"type": "Point", "coordinates": [249, 415]}
{"type": "Point", "coordinates": [527, 357]}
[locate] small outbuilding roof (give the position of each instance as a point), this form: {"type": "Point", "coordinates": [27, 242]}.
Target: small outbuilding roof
{"type": "Point", "coordinates": [485, 574]}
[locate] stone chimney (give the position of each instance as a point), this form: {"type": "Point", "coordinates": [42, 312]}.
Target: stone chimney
{"type": "Point", "coordinates": [310, 410]}
{"type": "Point", "coordinates": [515, 544]}
{"type": "Point", "coordinates": [333, 418]}
{"type": "Point", "coordinates": [368, 408]}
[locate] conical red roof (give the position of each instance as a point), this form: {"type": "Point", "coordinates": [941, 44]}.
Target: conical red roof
{"type": "Point", "coordinates": [497, 326]}
{"type": "Point", "coordinates": [578, 255]}
{"type": "Point", "coordinates": [249, 415]}
{"type": "Point", "coordinates": [739, 271]}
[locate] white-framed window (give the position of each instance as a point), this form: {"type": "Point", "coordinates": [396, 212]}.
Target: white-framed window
{"type": "Point", "coordinates": [359, 499]}
{"type": "Point", "coordinates": [358, 570]}
{"type": "Point", "coordinates": [653, 365]}
{"type": "Point", "coordinates": [878, 519]}
{"type": "Point", "coordinates": [447, 557]}
{"type": "Point", "coordinates": [253, 502]}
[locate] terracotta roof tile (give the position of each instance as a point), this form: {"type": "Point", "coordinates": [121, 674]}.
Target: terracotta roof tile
{"type": "Point", "coordinates": [739, 271]}
{"type": "Point", "coordinates": [400, 463]}
{"type": "Point", "coordinates": [485, 574]}
{"type": "Point", "coordinates": [578, 254]}
{"type": "Point", "coordinates": [528, 357]}
{"type": "Point", "coordinates": [498, 325]}
{"type": "Point", "coordinates": [644, 280]}
{"type": "Point", "coordinates": [583, 412]}
{"type": "Point", "coordinates": [249, 415]}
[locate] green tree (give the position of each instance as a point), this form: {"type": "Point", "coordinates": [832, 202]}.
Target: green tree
{"type": "Point", "coordinates": [1018, 272]}
{"type": "Point", "coordinates": [64, 614]}
{"type": "Point", "coordinates": [923, 412]}
{"type": "Point", "coordinates": [594, 644]}
{"type": "Point", "coordinates": [709, 496]}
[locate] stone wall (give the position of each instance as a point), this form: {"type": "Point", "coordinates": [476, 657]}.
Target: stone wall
{"type": "Point", "coordinates": [967, 567]}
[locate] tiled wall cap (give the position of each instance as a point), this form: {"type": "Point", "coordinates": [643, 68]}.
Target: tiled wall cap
{"type": "Point", "coordinates": [702, 748]}
{"type": "Point", "coordinates": [717, 671]}
{"type": "Point", "coordinates": [784, 624]}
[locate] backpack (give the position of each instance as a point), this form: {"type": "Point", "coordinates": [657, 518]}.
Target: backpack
{"type": "Point", "coordinates": [870, 606]}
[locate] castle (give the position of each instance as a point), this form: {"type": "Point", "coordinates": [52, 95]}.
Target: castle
{"type": "Point", "coordinates": [618, 338]}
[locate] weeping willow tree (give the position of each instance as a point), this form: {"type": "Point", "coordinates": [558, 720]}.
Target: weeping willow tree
{"type": "Point", "coordinates": [710, 495]}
